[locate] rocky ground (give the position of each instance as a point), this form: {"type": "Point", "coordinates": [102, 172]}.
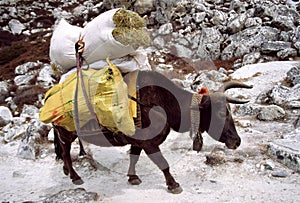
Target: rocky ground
{"type": "Point", "coordinates": [199, 43]}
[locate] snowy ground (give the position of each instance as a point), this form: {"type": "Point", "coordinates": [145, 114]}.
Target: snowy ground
{"type": "Point", "coordinates": [241, 178]}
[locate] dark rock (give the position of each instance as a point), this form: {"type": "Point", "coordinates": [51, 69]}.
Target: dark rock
{"type": "Point", "coordinates": [286, 151]}
{"type": "Point", "coordinates": [271, 113]}
{"type": "Point", "coordinates": [274, 46]}
{"type": "Point", "coordinates": [73, 195]}
{"type": "Point", "coordinates": [214, 159]}
{"type": "Point", "coordinates": [283, 96]}
{"type": "Point", "coordinates": [279, 174]}
{"type": "Point", "coordinates": [4, 91]}
{"type": "Point", "coordinates": [293, 76]}
{"type": "Point", "coordinates": [26, 148]}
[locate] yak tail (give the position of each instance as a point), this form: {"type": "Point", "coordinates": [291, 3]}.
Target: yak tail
{"type": "Point", "coordinates": [57, 146]}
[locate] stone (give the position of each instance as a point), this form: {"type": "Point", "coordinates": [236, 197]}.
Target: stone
{"type": "Point", "coordinates": [26, 148]}
{"type": "Point", "coordinates": [210, 79]}
{"type": "Point", "coordinates": [293, 105]}
{"type": "Point", "coordinates": [219, 18]}
{"type": "Point", "coordinates": [165, 29]}
{"type": "Point", "coordinates": [279, 174]}
{"type": "Point", "coordinates": [282, 95]}
{"type": "Point", "coordinates": [237, 24]}
{"type": "Point", "coordinates": [16, 26]}
{"type": "Point", "coordinates": [4, 91]}
{"type": "Point", "coordinates": [271, 113]}
{"type": "Point", "coordinates": [25, 68]}
{"type": "Point", "coordinates": [164, 10]}
{"type": "Point", "coordinates": [274, 46]}
{"type": "Point", "coordinates": [249, 109]}
{"type": "Point", "coordinates": [210, 43]}
{"type": "Point", "coordinates": [73, 195]}
{"type": "Point", "coordinates": [144, 6]}
{"type": "Point", "coordinates": [246, 40]}
{"type": "Point", "coordinates": [45, 77]}
{"type": "Point", "coordinates": [251, 58]}
{"type": "Point", "coordinates": [244, 123]}
{"type": "Point", "coordinates": [297, 46]}
{"type": "Point", "coordinates": [51, 135]}
{"type": "Point", "coordinates": [5, 116]}
{"type": "Point", "coordinates": [79, 10]}
{"type": "Point", "coordinates": [181, 51]}
{"type": "Point", "coordinates": [30, 111]}
{"type": "Point", "coordinates": [159, 42]}
{"type": "Point", "coordinates": [286, 151]}
{"type": "Point", "coordinates": [293, 75]}
{"type": "Point", "coordinates": [253, 22]}
{"type": "Point", "coordinates": [13, 132]}
{"type": "Point", "coordinates": [297, 123]}
{"type": "Point", "coordinates": [23, 79]}
{"type": "Point", "coordinates": [287, 53]}
{"type": "Point", "coordinates": [269, 164]}
{"type": "Point", "coordinates": [283, 22]}
{"type": "Point", "coordinates": [199, 17]}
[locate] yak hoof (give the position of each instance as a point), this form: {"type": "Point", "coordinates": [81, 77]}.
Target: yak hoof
{"type": "Point", "coordinates": [78, 181]}
{"type": "Point", "coordinates": [134, 180]}
{"type": "Point", "coordinates": [66, 171]}
{"type": "Point", "coordinates": [176, 190]}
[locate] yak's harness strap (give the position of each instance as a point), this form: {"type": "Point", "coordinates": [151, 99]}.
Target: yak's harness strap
{"type": "Point", "coordinates": [79, 48]}
{"type": "Point", "coordinates": [195, 122]}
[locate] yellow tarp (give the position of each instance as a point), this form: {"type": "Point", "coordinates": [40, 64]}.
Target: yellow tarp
{"type": "Point", "coordinates": [107, 93]}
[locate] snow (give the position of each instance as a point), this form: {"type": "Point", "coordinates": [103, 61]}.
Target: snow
{"type": "Point", "coordinates": [233, 181]}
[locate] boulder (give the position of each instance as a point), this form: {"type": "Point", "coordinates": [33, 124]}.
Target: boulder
{"type": "Point", "coordinates": [283, 96]}
{"type": "Point", "coordinates": [26, 67]}
{"type": "Point", "coordinates": [249, 109]}
{"type": "Point", "coordinates": [73, 195]}
{"type": "Point", "coordinates": [144, 6]}
{"type": "Point", "coordinates": [4, 91]}
{"type": "Point", "coordinates": [274, 46]}
{"type": "Point", "coordinates": [243, 42]}
{"type": "Point", "coordinates": [16, 26]}
{"type": "Point", "coordinates": [287, 150]}
{"type": "Point", "coordinates": [26, 148]}
{"type": "Point", "coordinates": [293, 75]}
{"type": "Point", "coordinates": [30, 111]}
{"type": "Point", "coordinates": [5, 116]}
{"type": "Point", "coordinates": [24, 79]}
{"type": "Point", "coordinates": [271, 113]}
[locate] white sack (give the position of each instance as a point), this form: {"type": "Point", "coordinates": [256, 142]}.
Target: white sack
{"type": "Point", "coordinates": [99, 41]}
{"type": "Point", "coordinates": [126, 64]}
{"type": "Point", "coordinates": [62, 45]}
{"type": "Point", "coordinates": [135, 61]}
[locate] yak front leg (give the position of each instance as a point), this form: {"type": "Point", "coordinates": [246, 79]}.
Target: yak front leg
{"type": "Point", "coordinates": [134, 157]}
{"type": "Point", "coordinates": [81, 150]}
{"type": "Point", "coordinates": [156, 156]}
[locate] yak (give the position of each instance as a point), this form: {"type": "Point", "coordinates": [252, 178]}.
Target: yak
{"type": "Point", "coordinates": [163, 106]}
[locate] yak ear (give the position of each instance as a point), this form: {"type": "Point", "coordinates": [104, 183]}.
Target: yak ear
{"type": "Point", "coordinates": [205, 102]}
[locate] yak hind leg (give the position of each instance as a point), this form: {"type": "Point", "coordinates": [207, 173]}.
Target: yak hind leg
{"type": "Point", "coordinates": [134, 157]}
{"type": "Point", "coordinates": [64, 140]}
{"type": "Point", "coordinates": [156, 156]}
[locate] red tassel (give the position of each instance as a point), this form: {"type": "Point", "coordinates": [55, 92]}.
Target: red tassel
{"type": "Point", "coordinates": [203, 91]}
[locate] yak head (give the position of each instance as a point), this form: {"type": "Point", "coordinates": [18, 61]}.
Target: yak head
{"type": "Point", "coordinates": [216, 118]}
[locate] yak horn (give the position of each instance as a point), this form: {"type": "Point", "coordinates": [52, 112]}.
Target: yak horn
{"type": "Point", "coordinates": [235, 100]}
{"type": "Point", "coordinates": [233, 84]}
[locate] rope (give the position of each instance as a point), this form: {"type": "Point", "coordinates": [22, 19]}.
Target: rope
{"type": "Point", "coordinates": [79, 48]}
{"type": "Point", "coordinates": [195, 122]}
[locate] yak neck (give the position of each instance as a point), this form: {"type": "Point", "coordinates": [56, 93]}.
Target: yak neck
{"type": "Point", "coordinates": [157, 90]}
